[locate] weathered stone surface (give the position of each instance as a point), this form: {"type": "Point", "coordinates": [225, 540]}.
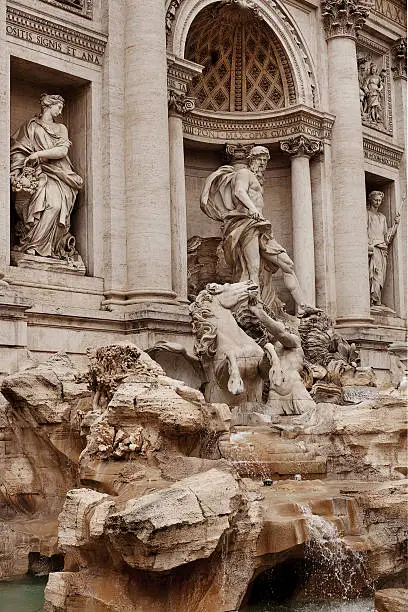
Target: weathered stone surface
{"type": "Point", "coordinates": [391, 600]}
{"type": "Point", "coordinates": [178, 525]}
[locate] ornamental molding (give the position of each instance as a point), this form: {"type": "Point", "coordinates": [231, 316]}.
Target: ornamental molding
{"type": "Point", "coordinates": [265, 128]}
{"type": "Point", "coordinates": [345, 17]}
{"type": "Point", "coordinates": [399, 57]}
{"type": "Point", "coordinates": [180, 73]}
{"type": "Point", "coordinates": [300, 146]}
{"type": "Point", "coordinates": [80, 7]}
{"type": "Point", "coordinates": [54, 37]}
{"type": "Point", "coordinates": [382, 154]}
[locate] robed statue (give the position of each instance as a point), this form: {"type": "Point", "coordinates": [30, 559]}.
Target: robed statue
{"type": "Point", "coordinates": [44, 183]}
{"type": "Point", "coordinates": [233, 195]}
{"type": "Point", "coordinates": [380, 238]}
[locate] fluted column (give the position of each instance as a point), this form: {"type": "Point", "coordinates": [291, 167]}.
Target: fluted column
{"type": "Point", "coordinates": [148, 233]}
{"type": "Point", "coordinates": [342, 19]}
{"type": "Point", "coordinates": [180, 72]}
{"type": "Point", "coordinates": [301, 149]}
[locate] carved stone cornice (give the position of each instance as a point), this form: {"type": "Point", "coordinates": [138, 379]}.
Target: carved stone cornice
{"type": "Point", "coordinates": [54, 37]}
{"type": "Point", "coordinates": [266, 128]}
{"type": "Point", "coordinates": [382, 154]}
{"type": "Point", "coordinates": [179, 103]}
{"type": "Point", "coordinates": [345, 17]}
{"type": "Point", "coordinates": [399, 55]}
{"type": "Point", "coordinates": [301, 146]}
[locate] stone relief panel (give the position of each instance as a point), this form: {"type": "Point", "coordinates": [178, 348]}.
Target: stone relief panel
{"type": "Point", "coordinates": [81, 7]}
{"type": "Point", "coordinates": [374, 83]}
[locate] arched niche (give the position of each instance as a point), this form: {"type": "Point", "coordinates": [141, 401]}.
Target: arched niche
{"type": "Point", "coordinates": [287, 38]}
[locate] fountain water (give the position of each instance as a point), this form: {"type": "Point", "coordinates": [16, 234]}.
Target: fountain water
{"type": "Point", "coordinates": [333, 569]}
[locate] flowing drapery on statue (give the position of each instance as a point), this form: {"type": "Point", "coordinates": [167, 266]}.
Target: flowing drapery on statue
{"type": "Point", "coordinates": [379, 241]}
{"type": "Point", "coordinates": [233, 196]}
{"type": "Point", "coordinates": [44, 183]}
{"type": "Point", "coordinates": [239, 229]}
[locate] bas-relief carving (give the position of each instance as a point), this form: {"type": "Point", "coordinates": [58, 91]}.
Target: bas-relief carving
{"type": "Point", "coordinates": [45, 186]}
{"type": "Point", "coordinates": [380, 238]}
{"type": "Point", "coordinates": [372, 89]}
{"type": "Point", "coordinates": [233, 196]}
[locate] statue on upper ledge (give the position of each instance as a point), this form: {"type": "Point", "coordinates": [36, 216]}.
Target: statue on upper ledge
{"type": "Point", "coordinates": [379, 240]}
{"type": "Point", "coordinates": [233, 195]}
{"type": "Point", "coordinates": [45, 185]}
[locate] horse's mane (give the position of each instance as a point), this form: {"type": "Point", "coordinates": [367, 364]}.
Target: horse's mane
{"type": "Point", "coordinates": [205, 332]}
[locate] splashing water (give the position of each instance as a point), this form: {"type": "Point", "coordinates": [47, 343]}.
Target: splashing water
{"type": "Point", "coordinates": [340, 571]}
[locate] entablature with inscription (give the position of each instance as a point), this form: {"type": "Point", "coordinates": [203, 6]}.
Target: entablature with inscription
{"type": "Point", "coordinates": [50, 35]}
{"type": "Point", "coordinates": [381, 153]}
{"type": "Point", "coordinates": [80, 7]}
{"type": "Point", "coordinates": [258, 128]}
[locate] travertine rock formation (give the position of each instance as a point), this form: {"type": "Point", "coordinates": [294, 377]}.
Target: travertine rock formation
{"type": "Point", "coordinates": [391, 600]}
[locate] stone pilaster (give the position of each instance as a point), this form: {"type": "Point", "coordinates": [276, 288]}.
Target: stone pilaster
{"type": "Point", "coordinates": [342, 19]}
{"type": "Point", "coordinates": [399, 69]}
{"type": "Point", "coordinates": [179, 73]}
{"type": "Point", "coordinates": [301, 149]}
{"type": "Point", "coordinates": [5, 145]}
{"type": "Point", "coordinates": [148, 235]}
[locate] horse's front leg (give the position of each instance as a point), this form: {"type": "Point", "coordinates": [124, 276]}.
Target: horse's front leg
{"type": "Point", "coordinates": [276, 376]}
{"type": "Point", "coordinates": [235, 382]}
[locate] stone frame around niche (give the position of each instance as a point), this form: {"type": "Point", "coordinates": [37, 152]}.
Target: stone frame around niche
{"type": "Point", "coordinates": [378, 181]}
{"type": "Point", "coordinates": [85, 9]}
{"type": "Point", "coordinates": [27, 81]}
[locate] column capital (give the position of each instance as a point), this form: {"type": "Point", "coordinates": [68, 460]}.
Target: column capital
{"type": "Point", "coordinates": [300, 146]}
{"type": "Point", "coordinates": [179, 103]}
{"type": "Point", "coordinates": [238, 152]}
{"type": "Point", "coordinates": [345, 17]}
{"type": "Point", "coordinates": [399, 56]}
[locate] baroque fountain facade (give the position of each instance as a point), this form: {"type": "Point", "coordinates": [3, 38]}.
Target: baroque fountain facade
{"type": "Point", "coordinates": [203, 302]}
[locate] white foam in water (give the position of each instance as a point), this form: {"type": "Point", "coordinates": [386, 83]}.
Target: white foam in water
{"type": "Point", "coordinates": [356, 605]}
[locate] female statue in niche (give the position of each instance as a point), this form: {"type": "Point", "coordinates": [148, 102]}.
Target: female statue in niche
{"type": "Point", "coordinates": [45, 184]}
{"type": "Point", "coordinates": [379, 240]}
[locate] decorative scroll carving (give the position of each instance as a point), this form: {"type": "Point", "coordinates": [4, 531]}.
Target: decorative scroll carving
{"type": "Point", "coordinates": [382, 154]}
{"type": "Point", "coordinates": [179, 103]}
{"type": "Point", "coordinates": [171, 14]}
{"type": "Point", "coordinates": [54, 36]}
{"type": "Point", "coordinates": [80, 7]}
{"type": "Point", "coordinates": [301, 146]}
{"type": "Point", "coordinates": [345, 17]}
{"type": "Point", "coordinates": [399, 65]}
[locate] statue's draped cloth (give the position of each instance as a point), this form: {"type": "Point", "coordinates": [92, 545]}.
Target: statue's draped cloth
{"type": "Point", "coordinates": [377, 235]}
{"type": "Point", "coordinates": [46, 216]}
{"type": "Point", "coordinates": [219, 203]}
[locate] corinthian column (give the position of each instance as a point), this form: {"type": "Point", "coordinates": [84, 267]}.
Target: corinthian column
{"type": "Point", "coordinates": [301, 149]}
{"type": "Point", "coordinates": [148, 235]}
{"type": "Point", "coordinates": [342, 19]}
{"type": "Point", "coordinates": [180, 72]}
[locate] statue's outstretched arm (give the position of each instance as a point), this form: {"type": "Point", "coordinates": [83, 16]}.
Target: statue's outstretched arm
{"type": "Point", "coordinates": [276, 328]}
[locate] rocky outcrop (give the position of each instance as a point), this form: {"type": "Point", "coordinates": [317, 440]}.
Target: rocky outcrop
{"type": "Point", "coordinates": [391, 600]}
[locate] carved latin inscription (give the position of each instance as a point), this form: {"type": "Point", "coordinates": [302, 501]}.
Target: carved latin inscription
{"type": "Point", "coordinates": [54, 37]}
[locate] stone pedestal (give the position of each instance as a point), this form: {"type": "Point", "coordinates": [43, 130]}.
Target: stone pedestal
{"type": "Point", "coordinates": [13, 330]}
{"type": "Point", "coordinates": [342, 20]}
{"type": "Point", "coordinates": [301, 149]}
{"type": "Point", "coordinates": [49, 264]}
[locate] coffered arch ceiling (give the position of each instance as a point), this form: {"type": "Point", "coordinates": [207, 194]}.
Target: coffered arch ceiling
{"type": "Point", "coordinates": [245, 67]}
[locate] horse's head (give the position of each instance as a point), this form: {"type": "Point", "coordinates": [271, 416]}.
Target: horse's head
{"type": "Point", "coordinates": [230, 295]}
